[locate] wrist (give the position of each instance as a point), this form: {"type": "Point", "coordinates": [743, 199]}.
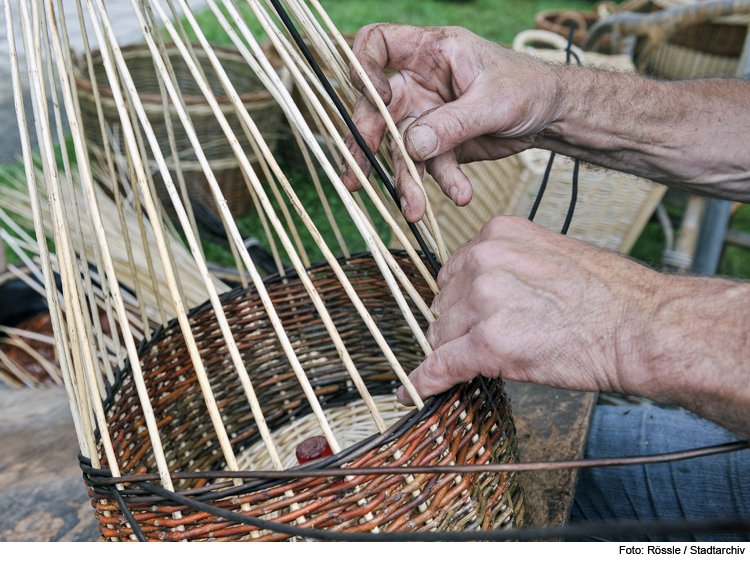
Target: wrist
{"type": "Point", "coordinates": [568, 88]}
{"type": "Point", "coordinates": [689, 346]}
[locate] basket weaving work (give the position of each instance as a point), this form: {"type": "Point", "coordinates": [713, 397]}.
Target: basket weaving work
{"type": "Point", "coordinates": [259, 103]}
{"type": "Point", "coordinates": [460, 426]}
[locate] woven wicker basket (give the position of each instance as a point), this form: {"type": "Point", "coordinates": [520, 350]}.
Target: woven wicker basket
{"type": "Point", "coordinates": [24, 360]}
{"type": "Point", "coordinates": [468, 430]}
{"type": "Point", "coordinates": [612, 207]}
{"type": "Point", "coordinates": [259, 103]}
{"type": "Point", "coordinates": [710, 49]}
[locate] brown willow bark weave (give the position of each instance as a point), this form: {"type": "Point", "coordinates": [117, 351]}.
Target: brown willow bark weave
{"type": "Point", "coordinates": [462, 426]}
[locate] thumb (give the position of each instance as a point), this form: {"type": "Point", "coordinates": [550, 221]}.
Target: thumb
{"type": "Point", "coordinates": [452, 363]}
{"type": "Point", "coordinates": [442, 129]}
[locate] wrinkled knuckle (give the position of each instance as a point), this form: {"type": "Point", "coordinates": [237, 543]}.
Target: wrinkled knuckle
{"type": "Point", "coordinates": [496, 225]}
{"type": "Point", "coordinates": [480, 256]}
{"type": "Point", "coordinates": [482, 289]}
{"type": "Point", "coordinates": [519, 223]}
{"type": "Point", "coordinates": [432, 334]}
{"type": "Point", "coordinates": [436, 371]}
{"type": "Point", "coordinates": [475, 259]}
{"type": "Point", "coordinates": [479, 338]}
{"type": "Point", "coordinates": [364, 33]}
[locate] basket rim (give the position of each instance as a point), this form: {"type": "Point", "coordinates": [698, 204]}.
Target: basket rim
{"type": "Point", "coordinates": [347, 455]}
{"type": "Point", "coordinates": [223, 52]}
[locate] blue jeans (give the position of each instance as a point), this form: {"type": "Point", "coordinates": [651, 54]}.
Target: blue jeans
{"type": "Point", "coordinates": [707, 487]}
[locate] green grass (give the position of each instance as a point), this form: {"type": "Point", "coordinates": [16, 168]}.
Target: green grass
{"type": "Point", "coordinates": [301, 182]}
{"type": "Point", "coordinates": [496, 20]}
{"type": "Point", "coordinates": [736, 260]}
{"type": "Point", "coordinates": [650, 245]}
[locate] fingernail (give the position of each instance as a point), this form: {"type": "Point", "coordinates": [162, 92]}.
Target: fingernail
{"type": "Point", "coordinates": [344, 169]}
{"type": "Point", "coordinates": [453, 192]}
{"type": "Point", "coordinates": [404, 205]}
{"type": "Point", "coordinates": [401, 395]}
{"type": "Point", "coordinates": [424, 140]}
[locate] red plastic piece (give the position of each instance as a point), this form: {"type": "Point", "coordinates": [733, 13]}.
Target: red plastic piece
{"type": "Point", "coordinates": [313, 448]}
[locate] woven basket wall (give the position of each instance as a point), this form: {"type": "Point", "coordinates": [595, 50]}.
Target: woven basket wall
{"type": "Point", "coordinates": [24, 361]}
{"type": "Point", "coordinates": [559, 22]}
{"type": "Point", "coordinates": [468, 431]}
{"type": "Point", "coordinates": [612, 207]}
{"type": "Point", "coordinates": [259, 103]}
{"type": "Point", "coordinates": [711, 49]}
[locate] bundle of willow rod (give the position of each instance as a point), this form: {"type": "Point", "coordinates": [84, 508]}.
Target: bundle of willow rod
{"type": "Point", "coordinates": [240, 380]}
{"type": "Point", "coordinates": [27, 347]}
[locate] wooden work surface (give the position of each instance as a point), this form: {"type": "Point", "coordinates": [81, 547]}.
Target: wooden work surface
{"type": "Point", "coordinates": [43, 498]}
{"type": "Point", "coordinates": [551, 425]}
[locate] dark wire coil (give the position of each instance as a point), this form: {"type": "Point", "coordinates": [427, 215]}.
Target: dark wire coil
{"type": "Point", "coordinates": [574, 191]}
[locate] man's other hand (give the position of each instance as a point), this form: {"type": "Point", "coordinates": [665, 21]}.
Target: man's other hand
{"type": "Point", "coordinates": [456, 98]}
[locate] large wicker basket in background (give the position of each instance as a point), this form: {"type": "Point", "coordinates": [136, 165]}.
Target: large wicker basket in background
{"type": "Point", "coordinates": [258, 102]}
{"type": "Point", "coordinates": [707, 49]}
{"type": "Point", "coordinates": [710, 49]}
{"type": "Point", "coordinates": [461, 426]}
{"type": "Point", "coordinates": [559, 22]}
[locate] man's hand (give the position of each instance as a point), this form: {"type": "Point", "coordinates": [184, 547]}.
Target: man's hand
{"type": "Point", "coordinates": [456, 97]}
{"type": "Point", "coordinates": [526, 304]}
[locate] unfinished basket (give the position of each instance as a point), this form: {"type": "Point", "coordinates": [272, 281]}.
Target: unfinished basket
{"type": "Point", "coordinates": [220, 385]}
{"type": "Point", "coordinates": [256, 99]}
{"type": "Point", "coordinates": [468, 431]}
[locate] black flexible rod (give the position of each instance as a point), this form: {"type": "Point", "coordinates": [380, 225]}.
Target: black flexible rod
{"type": "Point", "coordinates": [284, 17]}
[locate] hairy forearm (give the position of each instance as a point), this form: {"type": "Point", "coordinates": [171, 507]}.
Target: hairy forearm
{"type": "Point", "coordinates": [692, 348]}
{"type": "Point", "coordinates": [688, 134]}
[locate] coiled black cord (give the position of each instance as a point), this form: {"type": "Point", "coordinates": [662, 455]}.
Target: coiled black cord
{"type": "Point", "coordinates": [574, 191]}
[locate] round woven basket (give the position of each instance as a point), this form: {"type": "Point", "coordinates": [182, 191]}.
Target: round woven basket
{"type": "Point", "coordinates": [259, 103]}
{"type": "Point", "coordinates": [461, 426]}
{"type": "Point", "coordinates": [708, 49]}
